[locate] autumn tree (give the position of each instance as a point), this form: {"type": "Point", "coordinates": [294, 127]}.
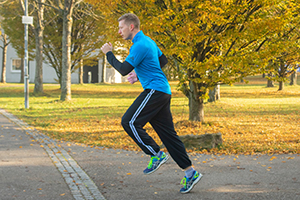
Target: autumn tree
{"type": "Point", "coordinates": [66, 9]}
{"type": "Point", "coordinates": [38, 30]}
{"type": "Point", "coordinates": [14, 29]}
{"type": "Point", "coordinates": [12, 13]}
{"type": "Point", "coordinates": [281, 53]}
{"type": "Point", "coordinates": [85, 39]}
{"type": "Point", "coordinates": [213, 42]}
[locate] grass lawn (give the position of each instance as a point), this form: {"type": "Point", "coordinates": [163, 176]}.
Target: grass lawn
{"type": "Point", "coordinates": [251, 117]}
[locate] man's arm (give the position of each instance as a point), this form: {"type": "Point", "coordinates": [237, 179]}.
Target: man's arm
{"type": "Point", "coordinates": [163, 60]}
{"type": "Point", "coordinates": [124, 68]}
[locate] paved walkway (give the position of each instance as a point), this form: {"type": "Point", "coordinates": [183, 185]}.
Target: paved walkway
{"type": "Point", "coordinates": [33, 166]}
{"type": "Point", "coordinates": [38, 155]}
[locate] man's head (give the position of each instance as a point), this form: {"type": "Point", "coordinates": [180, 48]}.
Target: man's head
{"type": "Point", "coordinates": [129, 25]}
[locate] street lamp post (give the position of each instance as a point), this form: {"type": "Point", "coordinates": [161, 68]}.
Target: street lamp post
{"type": "Point", "coordinates": [26, 20]}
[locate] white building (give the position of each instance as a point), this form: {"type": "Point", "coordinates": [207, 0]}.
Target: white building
{"type": "Point", "coordinates": [91, 74]}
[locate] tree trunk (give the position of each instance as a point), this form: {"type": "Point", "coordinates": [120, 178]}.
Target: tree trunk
{"type": "Point", "coordinates": [196, 109]}
{"type": "Point", "coordinates": [282, 75]}
{"type": "Point", "coordinates": [38, 81]}
{"type": "Point", "coordinates": [22, 71]}
{"type": "Point", "coordinates": [214, 94]}
{"type": "Point", "coordinates": [281, 86]}
{"type": "Point", "coordinates": [294, 78]}
{"type": "Point", "coordinates": [81, 72]}
{"type": "Point", "coordinates": [270, 82]}
{"type": "Point", "coordinates": [66, 51]}
{"type": "Point", "coordinates": [196, 104]}
{"type": "Point", "coordinates": [103, 78]}
{"type": "Point", "coordinates": [3, 77]}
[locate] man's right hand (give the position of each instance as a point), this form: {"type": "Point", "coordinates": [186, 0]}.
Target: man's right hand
{"type": "Point", "coordinates": [132, 78]}
{"type": "Point", "coordinates": [106, 47]}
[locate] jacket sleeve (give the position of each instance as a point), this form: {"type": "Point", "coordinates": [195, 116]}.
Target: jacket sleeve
{"type": "Point", "coordinates": [124, 68]}
{"type": "Point", "coordinates": [163, 60]}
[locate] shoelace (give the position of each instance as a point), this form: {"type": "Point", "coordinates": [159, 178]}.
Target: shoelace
{"type": "Point", "coordinates": [151, 161]}
{"type": "Point", "coordinates": [183, 182]}
{"type": "Point", "coordinates": [185, 179]}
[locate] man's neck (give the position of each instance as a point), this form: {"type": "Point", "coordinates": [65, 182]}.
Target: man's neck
{"type": "Point", "coordinates": [134, 33]}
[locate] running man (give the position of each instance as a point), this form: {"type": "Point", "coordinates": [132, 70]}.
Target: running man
{"type": "Point", "coordinates": [153, 104]}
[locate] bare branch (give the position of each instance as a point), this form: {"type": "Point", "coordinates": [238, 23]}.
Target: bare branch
{"type": "Point", "coordinates": [22, 5]}
{"type": "Point", "coordinates": [78, 2]}
{"type": "Point", "coordinates": [59, 6]}
{"type": "Point", "coordinates": [3, 2]}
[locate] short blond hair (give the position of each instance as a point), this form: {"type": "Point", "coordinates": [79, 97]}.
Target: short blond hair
{"type": "Point", "coordinates": [130, 18]}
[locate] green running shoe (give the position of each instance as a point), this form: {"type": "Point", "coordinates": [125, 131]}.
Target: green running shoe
{"type": "Point", "coordinates": [188, 184]}
{"type": "Point", "coordinates": [156, 162]}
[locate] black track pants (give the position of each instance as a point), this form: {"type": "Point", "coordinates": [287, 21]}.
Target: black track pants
{"type": "Point", "coordinates": [154, 107]}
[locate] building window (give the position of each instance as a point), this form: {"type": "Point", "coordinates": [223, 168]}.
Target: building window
{"type": "Point", "coordinates": [16, 65]}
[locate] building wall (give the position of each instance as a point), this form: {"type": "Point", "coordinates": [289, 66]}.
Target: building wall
{"type": "Point", "coordinates": [49, 74]}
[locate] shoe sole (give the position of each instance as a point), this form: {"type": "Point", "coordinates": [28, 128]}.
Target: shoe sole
{"type": "Point", "coordinates": [195, 182]}
{"type": "Point", "coordinates": [162, 162]}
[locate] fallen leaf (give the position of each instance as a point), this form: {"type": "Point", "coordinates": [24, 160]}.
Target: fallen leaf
{"type": "Point", "coordinates": [274, 157]}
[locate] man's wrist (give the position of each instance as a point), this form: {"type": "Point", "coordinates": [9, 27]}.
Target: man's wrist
{"type": "Point", "coordinates": [108, 52]}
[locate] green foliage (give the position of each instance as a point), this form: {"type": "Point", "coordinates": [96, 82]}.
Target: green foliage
{"type": "Point", "coordinates": [87, 33]}
{"type": "Point", "coordinates": [13, 27]}
{"type": "Point", "coordinates": [86, 39]}
{"type": "Point", "coordinates": [281, 54]}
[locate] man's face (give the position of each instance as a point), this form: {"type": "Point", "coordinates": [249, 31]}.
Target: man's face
{"type": "Point", "coordinates": [124, 30]}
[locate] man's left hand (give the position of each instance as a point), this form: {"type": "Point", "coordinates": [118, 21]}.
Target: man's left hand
{"type": "Point", "coordinates": [132, 78]}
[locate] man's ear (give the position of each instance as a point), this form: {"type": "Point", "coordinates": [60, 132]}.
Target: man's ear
{"type": "Point", "coordinates": [131, 27]}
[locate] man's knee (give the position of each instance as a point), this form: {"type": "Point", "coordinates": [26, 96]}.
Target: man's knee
{"type": "Point", "coordinates": [125, 123]}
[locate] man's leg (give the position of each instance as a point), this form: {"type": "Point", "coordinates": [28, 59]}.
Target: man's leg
{"type": "Point", "coordinates": [143, 109]}
{"type": "Point", "coordinates": [164, 127]}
